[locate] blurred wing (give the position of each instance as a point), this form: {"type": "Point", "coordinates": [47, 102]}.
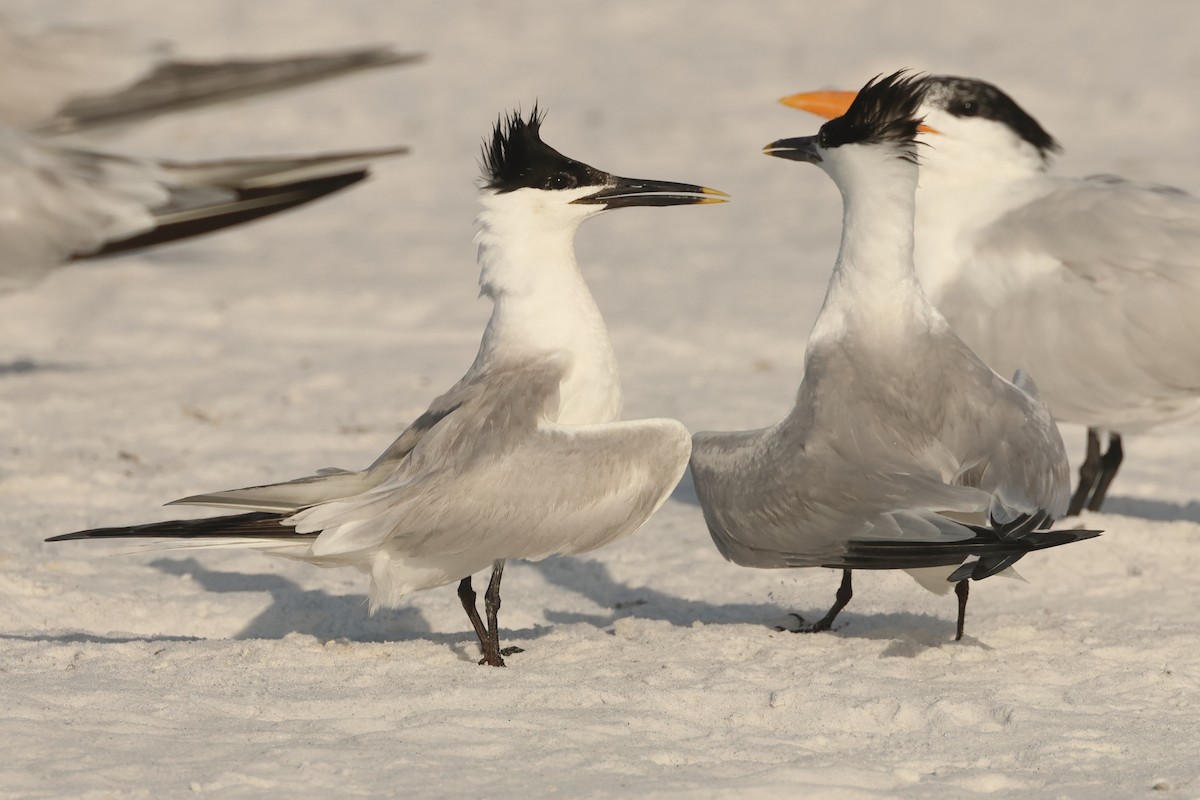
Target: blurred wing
{"type": "Point", "coordinates": [55, 204]}
{"type": "Point", "coordinates": [179, 85]}
{"type": "Point", "coordinates": [42, 70]}
{"type": "Point", "coordinates": [210, 196]}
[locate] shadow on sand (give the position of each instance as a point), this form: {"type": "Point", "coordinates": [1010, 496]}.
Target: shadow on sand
{"type": "Point", "coordinates": [1157, 510]}
{"type": "Point", "coordinates": [26, 366]}
{"type": "Point", "coordinates": [294, 609]}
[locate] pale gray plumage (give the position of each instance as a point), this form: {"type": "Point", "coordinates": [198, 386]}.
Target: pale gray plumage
{"type": "Point", "coordinates": [1107, 317]}
{"type": "Point", "coordinates": [914, 445]}
{"type": "Point", "coordinates": [1088, 283]}
{"type": "Point", "coordinates": [523, 457]}
{"type": "Point", "coordinates": [484, 474]}
{"type": "Point", "coordinates": [903, 450]}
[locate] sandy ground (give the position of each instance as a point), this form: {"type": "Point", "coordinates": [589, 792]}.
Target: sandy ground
{"type": "Point", "coordinates": [652, 667]}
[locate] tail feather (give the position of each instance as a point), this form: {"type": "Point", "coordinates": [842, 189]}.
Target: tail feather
{"type": "Point", "coordinates": [255, 525]}
{"type": "Point", "coordinates": [178, 86]}
{"type": "Point", "coordinates": [993, 552]}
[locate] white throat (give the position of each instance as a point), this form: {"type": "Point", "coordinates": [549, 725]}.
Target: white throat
{"type": "Point", "coordinates": [542, 304]}
{"type": "Point", "coordinates": [874, 289]}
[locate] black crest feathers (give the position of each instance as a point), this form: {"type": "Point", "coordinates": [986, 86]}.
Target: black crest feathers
{"type": "Point", "coordinates": [515, 157]}
{"type": "Point", "coordinates": [969, 97]}
{"type": "Point", "coordinates": [885, 110]}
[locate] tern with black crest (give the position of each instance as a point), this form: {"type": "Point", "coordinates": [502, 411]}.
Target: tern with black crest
{"type": "Point", "coordinates": [903, 450]}
{"type": "Point", "coordinates": [523, 457]}
{"type": "Point", "coordinates": [1089, 283]}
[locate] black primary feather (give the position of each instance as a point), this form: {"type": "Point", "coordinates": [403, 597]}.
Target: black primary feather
{"type": "Point", "coordinates": [994, 552]}
{"type": "Point", "coordinates": [516, 158]}
{"type": "Point", "coordinates": [254, 525]}
{"type": "Point", "coordinates": [885, 110]}
{"type": "Point", "coordinates": [969, 97]}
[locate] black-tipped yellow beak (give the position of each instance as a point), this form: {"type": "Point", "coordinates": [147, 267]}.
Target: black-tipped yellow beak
{"type": "Point", "coordinates": [830, 105]}
{"type": "Point", "coordinates": [800, 148]}
{"type": "Point", "coordinates": [625, 192]}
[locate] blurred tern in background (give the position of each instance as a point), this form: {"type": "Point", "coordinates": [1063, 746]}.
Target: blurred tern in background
{"type": "Point", "coordinates": [58, 204]}
{"type": "Point", "coordinates": [75, 79]}
{"type": "Point", "coordinates": [903, 450]}
{"type": "Point", "coordinates": [522, 458]}
{"type": "Point", "coordinates": [1089, 283]}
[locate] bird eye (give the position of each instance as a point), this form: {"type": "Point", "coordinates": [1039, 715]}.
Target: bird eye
{"type": "Point", "coordinates": [967, 108]}
{"type": "Point", "coordinates": [561, 180]}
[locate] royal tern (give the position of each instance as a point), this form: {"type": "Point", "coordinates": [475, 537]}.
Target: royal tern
{"type": "Point", "coordinates": [903, 449]}
{"type": "Point", "coordinates": [59, 204]}
{"type": "Point", "coordinates": [523, 457]}
{"type": "Point", "coordinates": [64, 80]}
{"type": "Point", "coordinates": [1088, 283]}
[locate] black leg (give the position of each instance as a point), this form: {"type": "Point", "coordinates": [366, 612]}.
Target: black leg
{"type": "Point", "coordinates": [962, 589]}
{"type": "Point", "coordinates": [467, 595]}
{"type": "Point", "coordinates": [1109, 465]}
{"type": "Point", "coordinates": [844, 593]}
{"type": "Point", "coordinates": [491, 602]}
{"type": "Point", "coordinates": [1089, 472]}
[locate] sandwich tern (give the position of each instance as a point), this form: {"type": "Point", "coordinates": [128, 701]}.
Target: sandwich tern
{"type": "Point", "coordinates": [1088, 283]}
{"type": "Point", "coordinates": [523, 457]}
{"type": "Point", "coordinates": [903, 450]}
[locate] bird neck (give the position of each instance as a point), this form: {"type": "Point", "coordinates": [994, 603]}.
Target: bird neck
{"type": "Point", "coordinates": [980, 156]}
{"type": "Point", "coordinates": [966, 185]}
{"type": "Point", "coordinates": [541, 304]}
{"type": "Point", "coordinates": [874, 285]}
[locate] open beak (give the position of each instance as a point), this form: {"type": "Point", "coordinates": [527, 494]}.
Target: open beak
{"type": "Point", "coordinates": [801, 148]}
{"type": "Point", "coordinates": [625, 192]}
{"type": "Point", "coordinates": [830, 105]}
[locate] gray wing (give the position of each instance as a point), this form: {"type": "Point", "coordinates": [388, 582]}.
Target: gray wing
{"type": "Point", "coordinates": [334, 484]}
{"type": "Point", "coordinates": [925, 456]}
{"type": "Point", "coordinates": [1104, 315]}
{"type": "Point", "coordinates": [770, 501]}
{"type": "Point", "coordinates": [180, 85]}
{"type": "Point", "coordinates": [495, 476]}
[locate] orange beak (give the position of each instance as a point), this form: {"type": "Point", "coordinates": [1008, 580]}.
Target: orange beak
{"type": "Point", "coordinates": [830, 105]}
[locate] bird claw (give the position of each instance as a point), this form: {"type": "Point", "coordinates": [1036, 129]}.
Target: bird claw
{"type": "Point", "coordinates": [816, 627]}
{"type": "Point", "coordinates": [498, 659]}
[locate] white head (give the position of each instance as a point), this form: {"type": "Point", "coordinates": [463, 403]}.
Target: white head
{"type": "Point", "coordinates": [874, 140]}
{"type": "Point", "coordinates": [972, 129]}
{"type": "Point", "coordinates": [535, 198]}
